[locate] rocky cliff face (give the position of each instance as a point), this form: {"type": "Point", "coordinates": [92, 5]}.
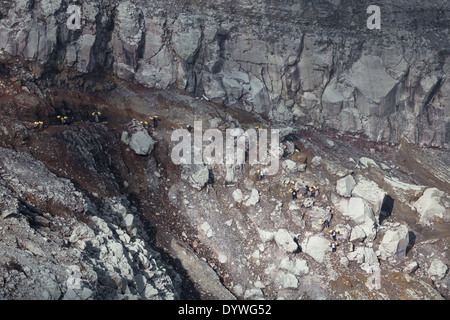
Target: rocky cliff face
{"type": "Point", "coordinates": [98, 210]}
{"type": "Point", "coordinates": [296, 62]}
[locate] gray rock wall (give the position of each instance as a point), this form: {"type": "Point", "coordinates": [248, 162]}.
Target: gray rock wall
{"type": "Point", "coordinates": [297, 62]}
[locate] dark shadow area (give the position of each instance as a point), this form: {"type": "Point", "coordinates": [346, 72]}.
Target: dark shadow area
{"type": "Point", "coordinates": [386, 208]}
{"type": "Point", "coordinates": [210, 177]}
{"type": "Point", "coordinates": [412, 241]}
{"type": "Point", "coordinates": [188, 288]}
{"type": "Point", "coordinates": [299, 248]}
{"type": "Point", "coordinates": [292, 137]}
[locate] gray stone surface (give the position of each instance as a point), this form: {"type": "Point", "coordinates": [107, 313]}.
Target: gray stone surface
{"type": "Point", "coordinates": [286, 69]}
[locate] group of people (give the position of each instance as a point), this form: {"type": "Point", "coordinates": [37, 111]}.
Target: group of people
{"type": "Point", "coordinates": [65, 120]}
{"type": "Point", "coordinates": [39, 125]}
{"type": "Point", "coordinates": [312, 191]}
{"type": "Point", "coordinates": [96, 117]}
{"type": "Point", "coordinates": [153, 121]}
{"type": "Point", "coordinates": [325, 224]}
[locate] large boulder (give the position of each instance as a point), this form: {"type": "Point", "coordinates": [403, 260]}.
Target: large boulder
{"type": "Point", "coordinates": [316, 247]}
{"type": "Point", "coordinates": [292, 166]}
{"type": "Point", "coordinates": [196, 174]}
{"type": "Point", "coordinates": [286, 280]}
{"type": "Point", "coordinates": [295, 266]}
{"type": "Point", "coordinates": [367, 162]}
{"type": "Point", "coordinates": [142, 143]}
{"type": "Point", "coordinates": [357, 209]}
{"type": "Point", "coordinates": [237, 195]}
{"type": "Point", "coordinates": [430, 206]}
{"type": "Point", "coordinates": [253, 199]}
{"type": "Point", "coordinates": [344, 186]}
{"type": "Point", "coordinates": [138, 139]}
{"type": "Point", "coordinates": [199, 178]}
{"type": "Point", "coordinates": [395, 242]}
{"type": "Point", "coordinates": [365, 256]}
{"type": "Point", "coordinates": [316, 214]}
{"type": "Point", "coordinates": [437, 269]}
{"type": "Point", "coordinates": [369, 191]}
{"type": "Point", "coordinates": [285, 241]}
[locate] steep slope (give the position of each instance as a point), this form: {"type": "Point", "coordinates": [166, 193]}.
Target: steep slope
{"type": "Point", "coordinates": [81, 193]}
{"type": "Point", "coordinates": [99, 210]}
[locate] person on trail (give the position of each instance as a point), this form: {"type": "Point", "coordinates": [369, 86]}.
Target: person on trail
{"type": "Point", "coordinates": [333, 246]}
{"type": "Point", "coordinates": [189, 128]}
{"type": "Point", "coordinates": [64, 120]}
{"type": "Point", "coordinates": [324, 223]}
{"type": "Point", "coordinates": [155, 120]}
{"type": "Point", "coordinates": [313, 191]}
{"type": "Point", "coordinates": [144, 124]}
{"type": "Point", "coordinates": [306, 190]}
{"type": "Point", "coordinates": [333, 234]}
{"type": "Point", "coordinates": [96, 115]}
{"type": "Point", "coordinates": [38, 125]}
{"type": "Point", "coordinates": [294, 193]}
{"type": "Point", "coordinates": [261, 174]}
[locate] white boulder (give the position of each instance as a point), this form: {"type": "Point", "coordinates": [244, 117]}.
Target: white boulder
{"type": "Point", "coordinates": [316, 247]}
{"type": "Point", "coordinates": [395, 242]}
{"type": "Point", "coordinates": [253, 199]}
{"type": "Point", "coordinates": [429, 206]}
{"type": "Point", "coordinates": [138, 139]}
{"type": "Point", "coordinates": [196, 174]}
{"type": "Point", "coordinates": [344, 186]}
{"type": "Point", "coordinates": [366, 162]}
{"type": "Point", "coordinates": [292, 166]}
{"type": "Point", "coordinates": [356, 209]}
{"type": "Point", "coordinates": [357, 234]}
{"type": "Point", "coordinates": [437, 269]}
{"type": "Point", "coordinates": [295, 266]}
{"type": "Point", "coordinates": [285, 241]}
{"type": "Point", "coordinates": [369, 191]}
{"type": "Point", "coordinates": [237, 195]}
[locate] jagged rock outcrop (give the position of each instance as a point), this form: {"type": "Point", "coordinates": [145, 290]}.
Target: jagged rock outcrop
{"type": "Point", "coordinates": [56, 244]}
{"type": "Point", "coordinates": [296, 63]}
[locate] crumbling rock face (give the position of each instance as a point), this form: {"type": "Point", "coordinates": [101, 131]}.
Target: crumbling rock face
{"type": "Point", "coordinates": [297, 63]}
{"type": "Point", "coordinates": [56, 244]}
